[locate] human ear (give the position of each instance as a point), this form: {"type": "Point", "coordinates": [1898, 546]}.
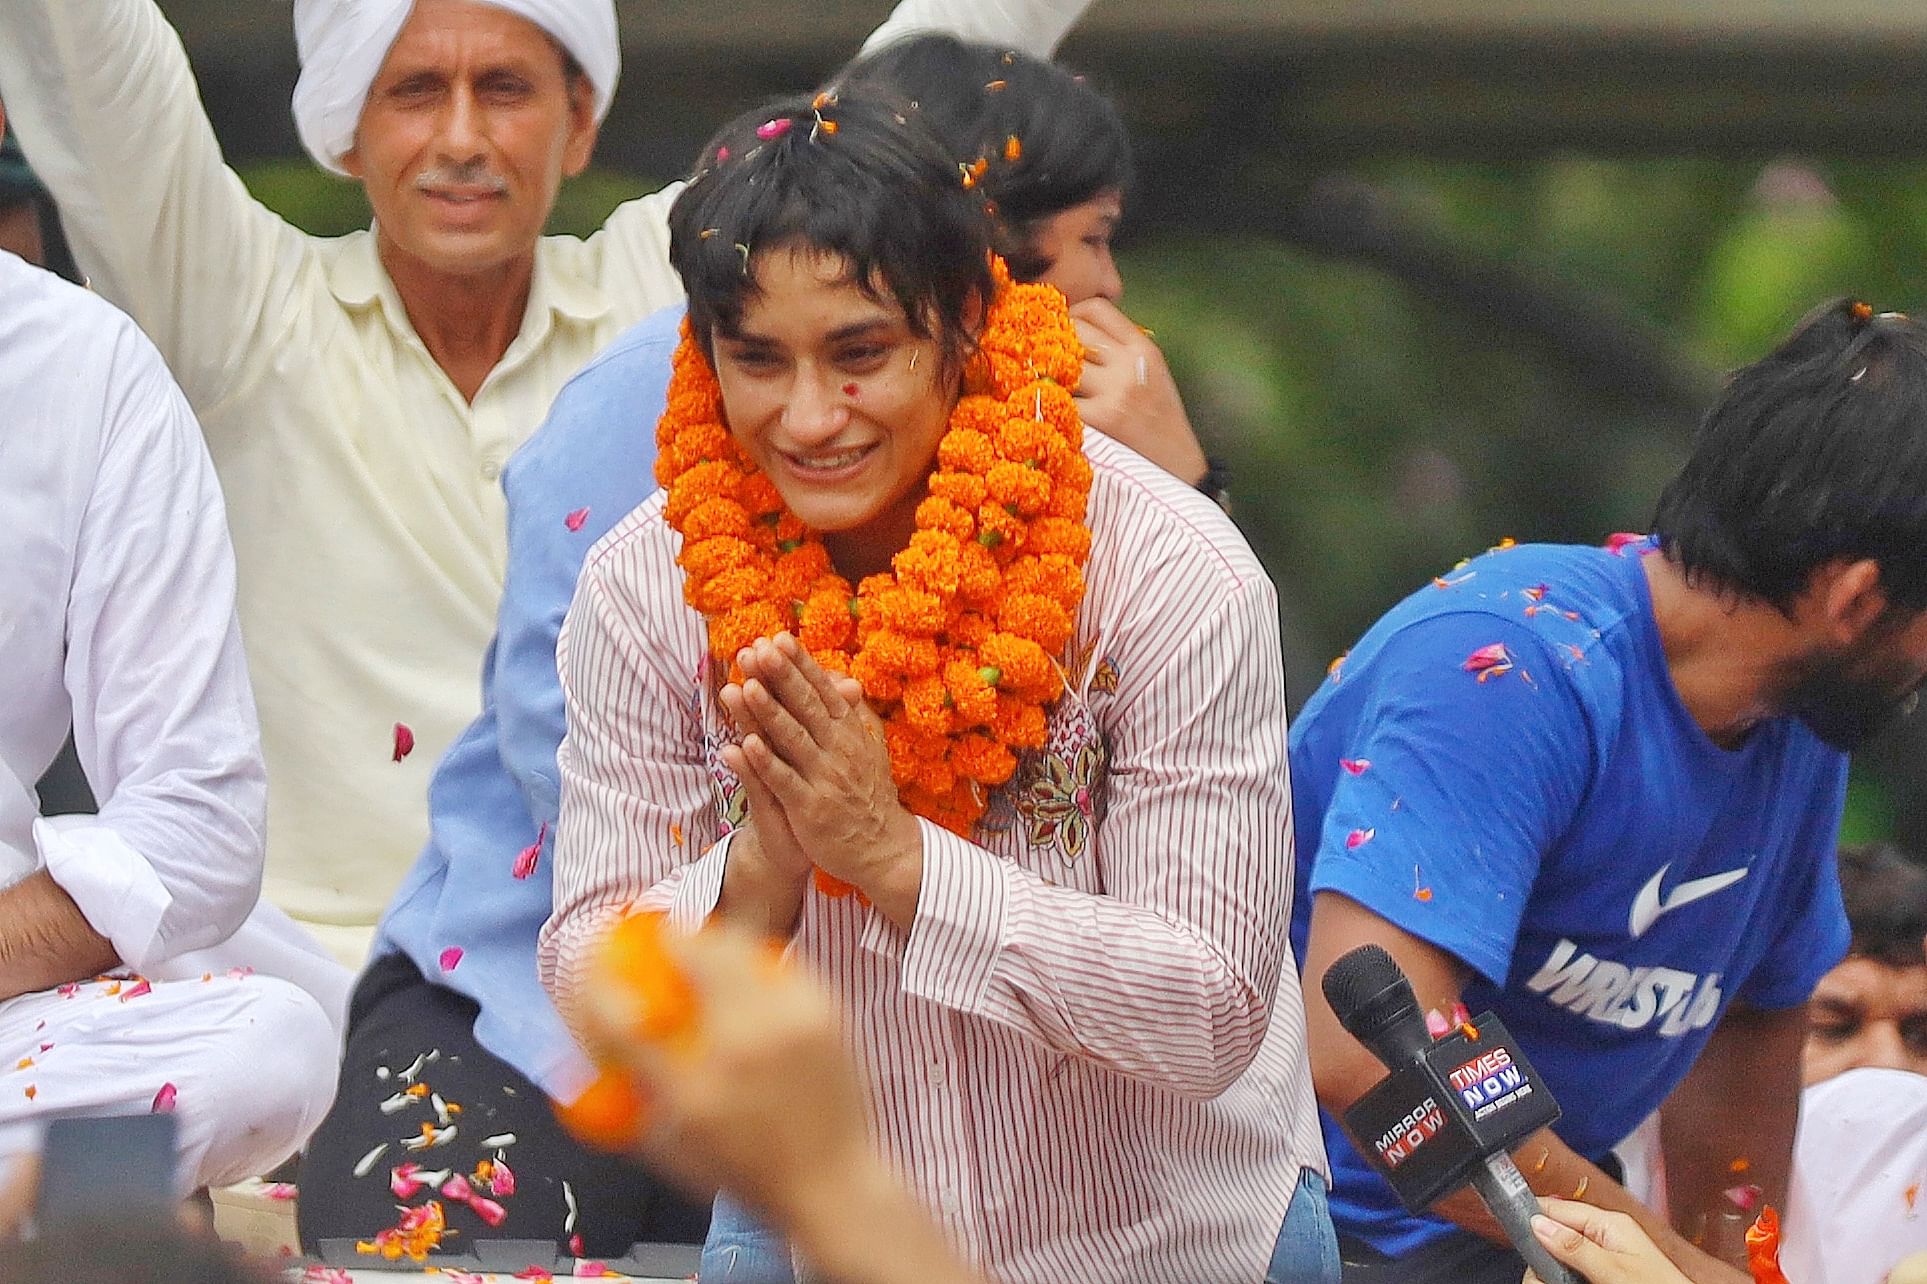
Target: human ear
{"type": "Point", "coordinates": [1851, 599]}
{"type": "Point", "coordinates": [582, 129]}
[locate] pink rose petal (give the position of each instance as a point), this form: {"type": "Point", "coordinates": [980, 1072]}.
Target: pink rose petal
{"type": "Point", "coordinates": [136, 990]}
{"type": "Point", "coordinates": [457, 1188]}
{"type": "Point", "coordinates": [501, 1180]}
{"type": "Point", "coordinates": [1358, 838]}
{"type": "Point", "coordinates": [488, 1210]}
{"type": "Point", "coordinates": [450, 957]}
{"type": "Point", "coordinates": [575, 1246]}
{"type": "Point", "coordinates": [1355, 766]}
{"type": "Point", "coordinates": [1616, 542]}
{"type": "Point", "coordinates": [574, 520]}
{"type": "Point", "coordinates": [774, 128]}
{"type": "Point", "coordinates": [404, 741]}
{"type": "Point", "coordinates": [164, 1100]}
{"type": "Point", "coordinates": [526, 860]}
{"type": "Point", "coordinates": [282, 1190]}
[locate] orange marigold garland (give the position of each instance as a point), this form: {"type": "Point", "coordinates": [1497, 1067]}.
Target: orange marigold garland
{"type": "Point", "coordinates": [956, 648]}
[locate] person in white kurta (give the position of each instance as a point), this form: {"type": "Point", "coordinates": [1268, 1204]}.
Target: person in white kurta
{"type": "Point", "coordinates": [117, 613]}
{"type": "Point", "coordinates": [362, 487]}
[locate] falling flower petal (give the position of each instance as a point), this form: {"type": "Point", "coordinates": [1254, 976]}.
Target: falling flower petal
{"type": "Point", "coordinates": [46, 1047]}
{"type": "Point", "coordinates": [25, 1063]}
{"type": "Point", "coordinates": [327, 1275]}
{"type": "Point", "coordinates": [538, 1273]}
{"type": "Point", "coordinates": [140, 987]}
{"type": "Point", "coordinates": [1537, 592]}
{"type": "Point", "coordinates": [1436, 1025]}
{"type": "Point", "coordinates": [498, 1141]}
{"type": "Point", "coordinates": [68, 990]}
{"type": "Point", "coordinates": [450, 957]}
{"type": "Point", "coordinates": [366, 1164]}
{"type": "Point", "coordinates": [526, 860]}
{"type": "Point", "coordinates": [1441, 582]}
{"type": "Point", "coordinates": [1912, 1193]}
{"type": "Point", "coordinates": [575, 519]}
{"type": "Point", "coordinates": [1616, 543]}
{"type": "Point", "coordinates": [281, 1190]}
{"type": "Point", "coordinates": [404, 741]}
{"type": "Point", "coordinates": [399, 1101]}
{"type": "Point", "coordinates": [32, 1092]}
{"type": "Point", "coordinates": [501, 1180]}
{"type": "Point", "coordinates": [1745, 1198]}
{"type": "Point", "coordinates": [1739, 1165]}
{"type": "Point", "coordinates": [240, 973]}
{"type": "Point", "coordinates": [1335, 670]}
{"type": "Point", "coordinates": [774, 128]}
{"type": "Point", "coordinates": [1358, 838]}
{"type": "Point", "coordinates": [1355, 766]}
{"type": "Point", "coordinates": [675, 835]}
{"type": "Point", "coordinates": [457, 1187]}
{"type": "Point", "coordinates": [1420, 892]}
{"type": "Point", "coordinates": [164, 1100]}
{"type": "Point", "coordinates": [575, 1246]}
{"type": "Point", "coordinates": [464, 1277]}
{"type": "Point", "coordinates": [112, 988]}
{"type": "Point", "coordinates": [568, 1198]}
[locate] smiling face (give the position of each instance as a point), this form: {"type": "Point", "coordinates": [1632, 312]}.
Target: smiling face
{"type": "Point", "coordinates": [837, 400]}
{"type": "Point", "coordinates": [1077, 244]}
{"type": "Point", "coordinates": [469, 129]}
{"type": "Point", "coordinates": [1867, 1013]}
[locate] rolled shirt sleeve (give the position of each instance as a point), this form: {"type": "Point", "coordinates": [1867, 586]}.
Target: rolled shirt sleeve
{"type": "Point", "coordinates": [164, 719]}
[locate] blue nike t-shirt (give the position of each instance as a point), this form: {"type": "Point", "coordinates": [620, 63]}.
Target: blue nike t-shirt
{"type": "Point", "coordinates": [1502, 767]}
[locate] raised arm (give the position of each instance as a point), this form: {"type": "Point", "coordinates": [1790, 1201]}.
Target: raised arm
{"type": "Point", "coordinates": [636, 237]}
{"type": "Point", "coordinates": [107, 110]}
{"type": "Point", "coordinates": [1031, 26]}
{"type": "Point", "coordinates": [163, 715]}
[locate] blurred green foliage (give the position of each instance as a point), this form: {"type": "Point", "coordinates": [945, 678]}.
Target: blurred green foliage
{"type": "Point", "coordinates": [1377, 436]}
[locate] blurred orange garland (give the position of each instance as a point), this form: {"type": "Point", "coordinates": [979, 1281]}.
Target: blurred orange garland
{"type": "Point", "coordinates": [956, 648]}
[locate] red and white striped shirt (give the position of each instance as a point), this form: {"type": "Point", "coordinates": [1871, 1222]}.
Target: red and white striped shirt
{"type": "Point", "coordinates": [1088, 1053]}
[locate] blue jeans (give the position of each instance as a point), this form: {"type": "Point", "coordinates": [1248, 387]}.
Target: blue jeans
{"type": "Point", "coordinates": [1307, 1248]}
{"type": "Point", "coordinates": [740, 1251]}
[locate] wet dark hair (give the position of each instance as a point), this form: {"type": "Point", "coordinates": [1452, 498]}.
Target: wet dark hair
{"type": "Point", "coordinates": [1886, 895]}
{"type": "Point", "coordinates": [854, 178]}
{"type": "Point", "coordinates": [1072, 142]}
{"type": "Point", "coordinates": [1816, 453]}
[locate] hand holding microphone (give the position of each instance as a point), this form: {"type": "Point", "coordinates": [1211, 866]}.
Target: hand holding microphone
{"type": "Point", "coordinates": [1451, 1110]}
{"type": "Point", "coordinates": [1604, 1246]}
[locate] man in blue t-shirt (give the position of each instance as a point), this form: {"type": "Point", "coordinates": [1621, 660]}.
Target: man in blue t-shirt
{"type": "Point", "coordinates": [1597, 790]}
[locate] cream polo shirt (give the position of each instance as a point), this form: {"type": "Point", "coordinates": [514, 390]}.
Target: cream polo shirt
{"type": "Point", "coordinates": [361, 489]}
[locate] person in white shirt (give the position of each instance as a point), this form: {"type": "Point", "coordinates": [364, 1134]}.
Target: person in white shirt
{"type": "Point", "coordinates": [360, 394]}
{"type": "Point", "coordinates": [117, 580]}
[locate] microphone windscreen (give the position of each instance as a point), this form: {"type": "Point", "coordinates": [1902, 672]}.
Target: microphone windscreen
{"type": "Point", "coordinates": [1359, 977]}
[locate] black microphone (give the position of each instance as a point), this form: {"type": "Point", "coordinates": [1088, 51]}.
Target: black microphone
{"type": "Point", "coordinates": [1451, 1110]}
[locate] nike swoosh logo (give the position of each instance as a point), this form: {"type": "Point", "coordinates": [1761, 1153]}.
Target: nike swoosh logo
{"type": "Point", "coordinates": [1648, 906]}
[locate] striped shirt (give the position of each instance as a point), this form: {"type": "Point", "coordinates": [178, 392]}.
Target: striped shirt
{"type": "Point", "coordinates": [1088, 1053]}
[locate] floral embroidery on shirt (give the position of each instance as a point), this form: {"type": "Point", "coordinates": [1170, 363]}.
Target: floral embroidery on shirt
{"type": "Point", "coordinates": [1058, 791]}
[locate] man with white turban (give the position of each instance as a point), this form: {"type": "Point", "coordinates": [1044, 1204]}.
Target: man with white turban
{"type": "Point", "coordinates": [361, 394]}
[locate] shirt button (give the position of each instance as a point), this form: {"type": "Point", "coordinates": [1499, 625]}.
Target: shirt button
{"type": "Point", "coordinates": [934, 1073]}
{"type": "Point", "coordinates": [950, 1204]}
{"type": "Point", "coordinates": [490, 470]}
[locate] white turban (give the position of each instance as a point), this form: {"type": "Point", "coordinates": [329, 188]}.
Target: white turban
{"type": "Point", "coordinates": [343, 43]}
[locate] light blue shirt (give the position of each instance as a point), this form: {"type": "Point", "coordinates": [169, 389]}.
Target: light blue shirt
{"type": "Point", "coordinates": [496, 790]}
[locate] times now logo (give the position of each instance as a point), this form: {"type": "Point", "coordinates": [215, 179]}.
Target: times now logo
{"type": "Point", "coordinates": [1489, 1082]}
{"type": "Point", "coordinates": [1408, 1134]}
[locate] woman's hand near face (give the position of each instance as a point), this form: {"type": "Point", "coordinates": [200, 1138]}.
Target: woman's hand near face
{"type": "Point", "coordinates": [1606, 1247]}
{"type": "Point", "coordinates": [1127, 392]}
{"type": "Point", "coordinates": [817, 752]}
{"type": "Point", "coordinates": [768, 873]}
